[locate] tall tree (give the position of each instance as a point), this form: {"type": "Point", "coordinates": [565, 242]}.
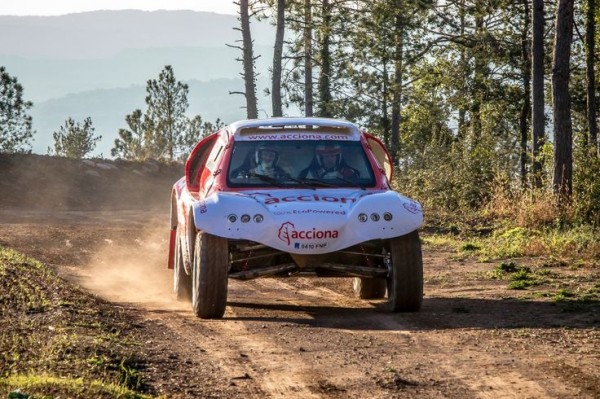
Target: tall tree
{"type": "Point", "coordinates": [561, 102]}
{"type": "Point", "coordinates": [75, 140]}
{"type": "Point", "coordinates": [325, 31]}
{"type": "Point", "coordinates": [308, 59]}
{"type": "Point", "coordinates": [590, 37]}
{"type": "Point", "coordinates": [526, 78]}
{"type": "Point", "coordinates": [277, 59]}
{"type": "Point", "coordinates": [537, 98]}
{"type": "Point", "coordinates": [165, 118]}
{"type": "Point", "coordinates": [397, 83]}
{"type": "Point", "coordinates": [15, 123]}
{"type": "Point", "coordinates": [248, 62]}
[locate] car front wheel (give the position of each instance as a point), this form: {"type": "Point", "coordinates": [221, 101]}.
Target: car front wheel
{"type": "Point", "coordinates": [209, 277]}
{"type": "Point", "coordinates": [405, 281]}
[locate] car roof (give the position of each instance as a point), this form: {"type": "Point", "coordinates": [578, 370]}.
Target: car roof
{"type": "Point", "coordinates": [288, 129]}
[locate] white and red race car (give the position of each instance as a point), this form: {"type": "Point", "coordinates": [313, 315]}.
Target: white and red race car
{"type": "Point", "coordinates": [287, 196]}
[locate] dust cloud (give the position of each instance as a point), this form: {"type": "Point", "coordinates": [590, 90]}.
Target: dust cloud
{"type": "Point", "coordinates": [133, 270]}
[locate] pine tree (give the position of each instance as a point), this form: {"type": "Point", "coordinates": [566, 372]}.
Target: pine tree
{"type": "Point", "coordinates": [15, 124]}
{"type": "Point", "coordinates": [561, 102]}
{"type": "Point", "coordinates": [130, 144]}
{"type": "Point", "coordinates": [165, 118]}
{"type": "Point", "coordinates": [75, 140]}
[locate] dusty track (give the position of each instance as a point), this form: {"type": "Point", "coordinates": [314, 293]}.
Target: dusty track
{"type": "Point", "coordinates": [310, 338]}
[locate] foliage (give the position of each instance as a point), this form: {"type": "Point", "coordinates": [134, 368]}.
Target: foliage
{"type": "Point", "coordinates": [130, 144]}
{"type": "Point", "coordinates": [165, 118]}
{"type": "Point", "coordinates": [15, 123]}
{"type": "Point", "coordinates": [586, 187]}
{"type": "Point", "coordinates": [444, 85]}
{"type": "Point", "coordinates": [75, 140]}
{"type": "Point", "coordinates": [163, 131]}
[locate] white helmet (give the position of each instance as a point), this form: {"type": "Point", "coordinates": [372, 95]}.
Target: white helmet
{"type": "Point", "coordinates": [329, 149]}
{"type": "Point", "coordinates": [266, 147]}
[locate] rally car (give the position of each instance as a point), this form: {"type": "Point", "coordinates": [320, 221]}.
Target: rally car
{"type": "Point", "coordinates": [293, 196]}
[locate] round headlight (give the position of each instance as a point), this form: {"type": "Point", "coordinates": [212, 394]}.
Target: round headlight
{"type": "Point", "coordinates": [374, 217]}
{"type": "Point", "coordinates": [258, 218]}
{"type": "Point", "coordinates": [362, 217]}
{"type": "Point", "coordinates": [232, 218]}
{"type": "Point", "coordinates": [387, 216]}
{"type": "Point", "coordinates": [245, 218]}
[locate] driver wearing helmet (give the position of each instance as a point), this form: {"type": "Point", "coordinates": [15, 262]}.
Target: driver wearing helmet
{"type": "Point", "coordinates": [263, 163]}
{"type": "Point", "coordinates": [328, 163]}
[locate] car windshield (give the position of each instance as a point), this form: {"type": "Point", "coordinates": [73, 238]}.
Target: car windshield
{"type": "Point", "coordinates": [299, 163]}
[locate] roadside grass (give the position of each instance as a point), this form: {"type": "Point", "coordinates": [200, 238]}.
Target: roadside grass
{"type": "Point", "coordinates": [575, 246]}
{"type": "Point", "coordinates": [562, 263]}
{"type": "Point", "coordinates": [57, 341]}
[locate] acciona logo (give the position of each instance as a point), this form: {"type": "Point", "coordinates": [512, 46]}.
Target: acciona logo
{"type": "Point", "coordinates": [288, 232]}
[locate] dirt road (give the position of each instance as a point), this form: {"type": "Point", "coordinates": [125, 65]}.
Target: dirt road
{"type": "Point", "coordinates": [310, 338]}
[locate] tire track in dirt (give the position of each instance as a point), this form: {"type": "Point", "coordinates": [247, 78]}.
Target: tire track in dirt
{"type": "Point", "coordinates": [510, 383]}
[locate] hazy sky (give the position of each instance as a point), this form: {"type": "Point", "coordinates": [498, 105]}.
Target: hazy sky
{"type": "Point", "coordinates": [59, 7]}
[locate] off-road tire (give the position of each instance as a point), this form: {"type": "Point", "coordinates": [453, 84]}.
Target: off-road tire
{"type": "Point", "coordinates": [209, 276]}
{"type": "Point", "coordinates": [369, 288]}
{"type": "Point", "coordinates": [182, 282]}
{"type": "Point", "coordinates": [405, 282]}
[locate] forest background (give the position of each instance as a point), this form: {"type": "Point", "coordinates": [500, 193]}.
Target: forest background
{"type": "Point", "coordinates": [489, 107]}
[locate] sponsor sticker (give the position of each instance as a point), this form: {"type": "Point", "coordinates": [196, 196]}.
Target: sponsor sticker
{"type": "Point", "coordinates": [296, 136]}
{"type": "Point", "coordinates": [287, 233]}
{"type": "Point", "coordinates": [309, 212]}
{"type": "Point", "coordinates": [319, 245]}
{"type": "Point", "coordinates": [269, 199]}
{"type": "Point", "coordinates": [412, 207]}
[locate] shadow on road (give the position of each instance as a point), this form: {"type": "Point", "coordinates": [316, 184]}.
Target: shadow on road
{"type": "Point", "coordinates": [436, 314]}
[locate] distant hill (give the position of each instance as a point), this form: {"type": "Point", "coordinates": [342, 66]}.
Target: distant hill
{"type": "Point", "coordinates": [97, 63]}
{"type": "Point", "coordinates": [101, 34]}
{"type": "Point", "coordinates": [108, 108]}
{"type": "Point", "coordinates": [45, 79]}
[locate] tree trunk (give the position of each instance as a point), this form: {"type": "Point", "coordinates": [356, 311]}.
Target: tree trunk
{"type": "Point", "coordinates": [325, 74]}
{"type": "Point", "coordinates": [397, 88]}
{"type": "Point", "coordinates": [462, 112]}
{"type": "Point", "coordinates": [248, 61]}
{"type": "Point", "coordinates": [563, 130]}
{"type": "Point", "coordinates": [308, 82]}
{"type": "Point", "coordinates": [277, 57]}
{"type": "Point", "coordinates": [537, 74]}
{"type": "Point", "coordinates": [385, 118]}
{"type": "Point", "coordinates": [479, 76]}
{"type": "Point", "coordinates": [526, 108]}
{"type": "Point", "coordinates": [590, 33]}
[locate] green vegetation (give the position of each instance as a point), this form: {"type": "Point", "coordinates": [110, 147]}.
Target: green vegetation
{"type": "Point", "coordinates": [15, 122]}
{"type": "Point", "coordinates": [57, 341]}
{"type": "Point", "coordinates": [74, 140]}
{"type": "Point", "coordinates": [545, 258]}
{"type": "Point", "coordinates": [163, 131]}
{"type": "Point", "coordinates": [577, 244]}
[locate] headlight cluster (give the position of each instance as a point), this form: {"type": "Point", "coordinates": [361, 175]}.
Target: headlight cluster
{"type": "Point", "coordinates": [245, 218]}
{"type": "Point", "coordinates": [363, 217]}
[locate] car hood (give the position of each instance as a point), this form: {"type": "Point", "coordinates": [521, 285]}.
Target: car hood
{"type": "Point", "coordinates": [308, 221]}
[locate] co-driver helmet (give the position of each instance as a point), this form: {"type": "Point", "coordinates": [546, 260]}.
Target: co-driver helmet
{"type": "Point", "coordinates": [329, 149]}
